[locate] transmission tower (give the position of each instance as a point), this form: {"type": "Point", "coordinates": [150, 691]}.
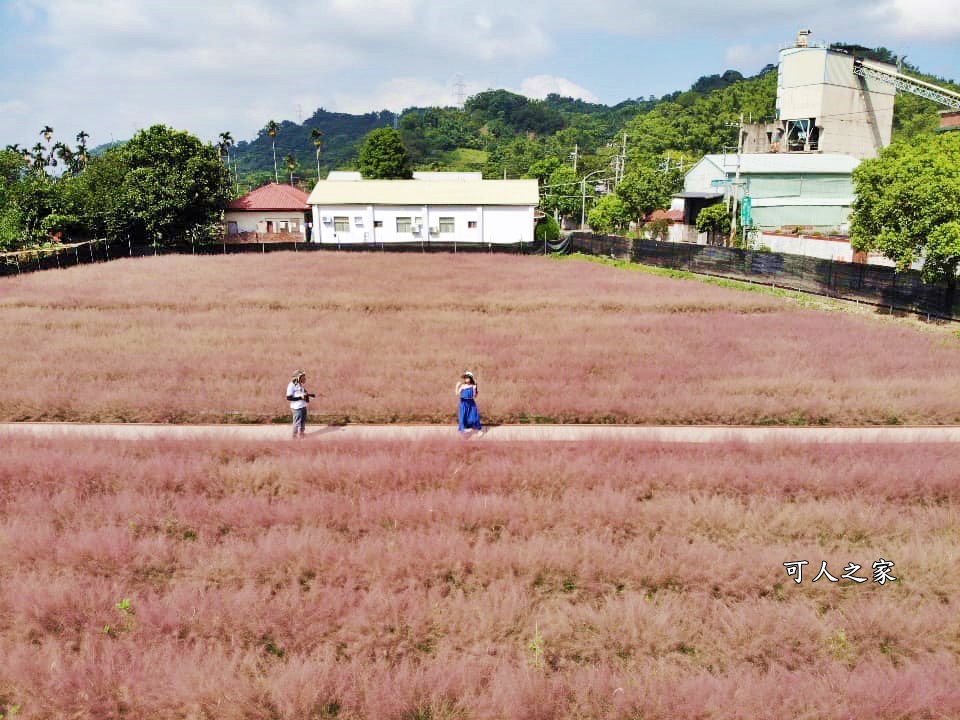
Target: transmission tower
{"type": "Point", "coordinates": [460, 90]}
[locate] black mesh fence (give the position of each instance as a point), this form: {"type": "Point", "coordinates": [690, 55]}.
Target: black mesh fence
{"type": "Point", "coordinates": [871, 284]}
{"type": "Point", "coordinates": [609, 245]}
{"type": "Point", "coordinates": [101, 250]}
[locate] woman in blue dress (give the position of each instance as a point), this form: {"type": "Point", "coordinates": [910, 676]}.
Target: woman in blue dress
{"type": "Point", "coordinates": [469, 415]}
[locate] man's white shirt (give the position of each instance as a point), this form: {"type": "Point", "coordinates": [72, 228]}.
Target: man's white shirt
{"type": "Point", "coordinates": [296, 390]}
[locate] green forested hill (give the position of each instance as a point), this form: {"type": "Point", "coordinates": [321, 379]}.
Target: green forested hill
{"type": "Point", "coordinates": [502, 133]}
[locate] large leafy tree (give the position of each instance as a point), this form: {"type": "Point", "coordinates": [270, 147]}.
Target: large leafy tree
{"type": "Point", "coordinates": [513, 158]}
{"type": "Point", "coordinates": [163, 186]}
{"type": "Point", "coordinates": [563, 193]}
{"type": "Point", "coordinates": [644, 189]}
{"type": "Point", "coordinates": [542, 169]}
{"type": "Point", "coordinates": [609, 215]}
{"type": "Point", "coordinates": [384, 157]}
{"type": "Point", "coordinates": [715, 221]}
{"type": "Point", "coordinates": [908, 205]}
{"type": "Point", "coordinates": [13, 166]}
{"type": "Point", "coordinates": [97, 191]}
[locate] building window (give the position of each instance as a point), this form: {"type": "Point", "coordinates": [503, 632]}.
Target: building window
{"type": "Point", "coordinates": [341, 224]}
{"type": "Point", "coordinates": [446, 225]}
{"type": "Point", "coordinates": [472, 224]}
{"type": "Point", "coordinates": [358, 221]}
{"type": "Point", "coordinates": [403, 225]}
{"type": "Point", "coordinates": [378, 223]}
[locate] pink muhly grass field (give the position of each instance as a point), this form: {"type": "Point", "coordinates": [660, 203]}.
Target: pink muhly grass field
{"type": "Point", "coordinates": [384, 338]}
{"type": "Point", "coordinates": [457, 580]}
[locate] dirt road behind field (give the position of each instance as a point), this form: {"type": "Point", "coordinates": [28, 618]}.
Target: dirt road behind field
{"type": "Point", "coordinates": [522, 433]}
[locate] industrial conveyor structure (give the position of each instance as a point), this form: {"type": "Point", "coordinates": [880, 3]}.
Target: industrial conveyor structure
{"type": "Point", "coordinates": [908, 84]}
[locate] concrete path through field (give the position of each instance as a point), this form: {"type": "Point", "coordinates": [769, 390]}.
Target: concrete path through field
{"type": "Point", "coordinates": [660, 434]}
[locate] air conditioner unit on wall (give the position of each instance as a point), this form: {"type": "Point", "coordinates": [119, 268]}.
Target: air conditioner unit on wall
{"type": "Point", "coordinates": [415, 228]}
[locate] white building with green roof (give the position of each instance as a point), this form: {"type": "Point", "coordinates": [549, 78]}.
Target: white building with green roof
{"type": "Point", "coordinates": [812, 191]}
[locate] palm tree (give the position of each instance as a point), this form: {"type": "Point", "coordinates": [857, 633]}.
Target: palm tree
{"type": "Point", "coordinates": [271, 130]}
{"type": "Point", "coordinates": [47, 132]}
{"type": "Point", "coordinates": [291, 162]}
{"type": "Point", "coordinates": [81, 157]}
{"type": "Point", "coordinates": [64, 152]}
{"type": "Point", "coordinates": [226, 142]}
{"type": "Point", "coordinates": [37, 157]}
{"type": "Point", "coordinates": [317, 137]}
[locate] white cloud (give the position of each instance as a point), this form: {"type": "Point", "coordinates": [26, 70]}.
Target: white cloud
{"type": "Point", "coordinates": [540, 86]}
{"type": "Point", "coordinates": [13, 107]}
{"type": "Point", "coordinates": [930, 19]}
{"type": "Point", "coordinates": [750, 58]}
{"type": "Point", "coordinates": [400, 93]}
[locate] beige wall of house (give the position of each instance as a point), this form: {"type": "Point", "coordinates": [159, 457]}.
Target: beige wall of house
{"type": "Point", "coordinates": [263, 222]}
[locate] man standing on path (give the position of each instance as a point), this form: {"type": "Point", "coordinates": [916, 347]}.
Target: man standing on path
{"type": "Point", "coordinates": [299, 397]}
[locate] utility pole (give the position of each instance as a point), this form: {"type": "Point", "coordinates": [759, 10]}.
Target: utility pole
{"type": "Point", "coordinates": [623, 160]}
{"type": "Point", "coordinates": [736, 182]}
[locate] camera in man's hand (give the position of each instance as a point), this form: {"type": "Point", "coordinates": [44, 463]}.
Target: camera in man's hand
{"type": "Point", "coordinates": [308, 396]}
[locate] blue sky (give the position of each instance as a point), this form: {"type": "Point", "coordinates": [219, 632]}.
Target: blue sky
{"type": "Point", "coordinates": [110, 67]}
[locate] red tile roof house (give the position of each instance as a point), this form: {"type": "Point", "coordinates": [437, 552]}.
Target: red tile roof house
{"type": "Point", "coordinates": [272, 213]}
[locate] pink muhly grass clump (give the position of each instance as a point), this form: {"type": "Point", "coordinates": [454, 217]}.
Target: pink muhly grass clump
{"type": "Point", "coordinates": [241, 579]}
{"type": "Point", "coordinates": [214, 339]}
